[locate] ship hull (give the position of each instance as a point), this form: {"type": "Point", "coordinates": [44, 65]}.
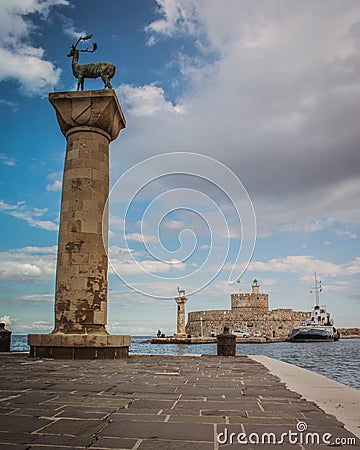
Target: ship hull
{"type": "Point", "coordinates": [313, 334]}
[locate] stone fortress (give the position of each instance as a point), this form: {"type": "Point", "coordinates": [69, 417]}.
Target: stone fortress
{"type": "Point", "coordinates": [249, 312]}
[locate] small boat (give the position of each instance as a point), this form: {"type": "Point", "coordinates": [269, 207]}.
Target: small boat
{"type": "Point", "coordinates": [319, 327]}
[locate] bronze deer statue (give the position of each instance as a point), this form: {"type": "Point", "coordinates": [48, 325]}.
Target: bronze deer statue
{"type": "Point", "coordinates": [105, 70]}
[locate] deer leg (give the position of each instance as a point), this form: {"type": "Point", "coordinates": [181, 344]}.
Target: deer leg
{"type": "Point", "coordinates": [106, 82]}
{"type": "Point", "coordinates": [80, 84]}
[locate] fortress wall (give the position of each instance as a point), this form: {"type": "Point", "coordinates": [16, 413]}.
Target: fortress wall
{"type": "Point", "coordinates": [275, 323]}
{"type": "Point", "coordinates": [249, 312]}
{"type": "Point", "coordinates": [288, 314]}
{"type": "Point", "coordinates": [349, 332]}
{"type": "Point", "coordinates": [251, 301]}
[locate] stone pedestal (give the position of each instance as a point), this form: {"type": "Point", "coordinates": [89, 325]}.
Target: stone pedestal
{"type": "Point", "coordinates": [89, 120]}
{"type": "Point", "coordinates": [180, 316]}
{"type": "Point", "coordinates": [5, 338]}
{"type": "Point", "coordinates": [226, 343]}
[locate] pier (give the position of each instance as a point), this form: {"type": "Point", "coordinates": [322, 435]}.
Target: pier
{"type": "Point", "coordinates": [170, 402]}
{"type": "Point", "coordinates": [207, 340]}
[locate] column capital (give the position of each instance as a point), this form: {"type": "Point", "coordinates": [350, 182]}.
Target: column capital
{"type": "Point", "coordinates": [98, 109]}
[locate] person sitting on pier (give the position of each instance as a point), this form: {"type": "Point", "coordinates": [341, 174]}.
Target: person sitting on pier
{"type": "Point", "coordinates": [158, 334]}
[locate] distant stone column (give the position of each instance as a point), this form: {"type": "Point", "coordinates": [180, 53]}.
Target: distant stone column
{"type": "Point", "coordinates": [89, 120]}
{"type": "Point", "coordinates": [180, 316]}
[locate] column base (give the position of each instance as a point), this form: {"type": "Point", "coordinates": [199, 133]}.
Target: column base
{"type": "Point", "coordinates": [79, 346]}
{"type": "Point", "coordinates": [180, 335]}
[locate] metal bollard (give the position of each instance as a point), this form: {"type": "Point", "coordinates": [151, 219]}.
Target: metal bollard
{"type": "Point", "coordinates": [5, 338]}
{"type": "Point", "coordinates": [226, 343]}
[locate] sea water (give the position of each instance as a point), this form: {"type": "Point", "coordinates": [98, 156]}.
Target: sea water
{"type": "Point", "coordinates": [338, 360]}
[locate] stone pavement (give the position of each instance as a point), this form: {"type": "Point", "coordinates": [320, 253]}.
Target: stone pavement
{"type": "Point", "coordinates": [154, 403]}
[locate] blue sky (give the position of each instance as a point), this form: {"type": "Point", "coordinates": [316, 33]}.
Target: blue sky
{"type": "Point", "coordinates": [266, 92]}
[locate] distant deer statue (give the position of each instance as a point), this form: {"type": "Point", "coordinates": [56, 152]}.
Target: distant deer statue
{"type": "Point", "coordinates": [105, 70]}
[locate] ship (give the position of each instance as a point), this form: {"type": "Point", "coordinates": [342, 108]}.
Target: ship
{"type": "Point", "coordinates": [319, 327]}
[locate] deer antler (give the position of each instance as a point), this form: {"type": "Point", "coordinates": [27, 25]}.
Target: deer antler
{"type": "Point", "coordinates": [83, 38]}
{"type": "Point", "coordinates": [94, 44]}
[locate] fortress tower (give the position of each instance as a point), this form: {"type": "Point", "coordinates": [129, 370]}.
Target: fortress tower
{"type": "Point", "coordinates": [254, 301]}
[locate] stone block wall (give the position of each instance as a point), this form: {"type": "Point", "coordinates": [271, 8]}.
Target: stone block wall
{"type": "Point", "coordinates": [249, 312]}
{"type": "Point", "coordinates": [349, 332]}
{"type": "Point", "coordinates": [274, 324]}
{"type": "Point", "coordinates": [250, 301]}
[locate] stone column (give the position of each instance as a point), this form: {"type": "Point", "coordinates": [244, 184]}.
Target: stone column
{"type": "Point", "coordinates": [89, 120]}
{"type": "Point", "coordinates": [180, 316]}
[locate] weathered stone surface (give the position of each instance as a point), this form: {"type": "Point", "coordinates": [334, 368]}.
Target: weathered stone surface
{"type": "Point", "coordinates": [180, 301]}
{"type": "Point", "coordinates": [116, 404]}
{"type": "Point", "coordinates": [78, 340]}
{"type": "Point", "coordinates": [349, 332]}
{"type": "Point", "coordinates": [90, 120]}
{"type": "Point", "coordinates": [74, 427]}
{"type": "Point", "coordinates": [226, 344]}
{"type": "Point", "coordinates": [98, 108]}
{"type": "Point", "coordinates": [104, 443]}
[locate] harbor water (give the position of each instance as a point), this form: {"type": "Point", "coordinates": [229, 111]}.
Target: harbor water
{"type": "Point", "coordinates": [338, 360]}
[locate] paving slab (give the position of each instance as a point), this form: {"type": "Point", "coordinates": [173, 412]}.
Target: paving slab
{"type": "Point", "coordinates": [13, 447]}
{"type": "Point", "coordinates": [74, 427]}
{"type": "Point", "coordinates": [109, 443]}
{"type": "Point", "coordinates": [150, 402]}
{"type": "Point", "coordinates": [332, 397]}
{"type": "Point", "coordinates": [59, 441]}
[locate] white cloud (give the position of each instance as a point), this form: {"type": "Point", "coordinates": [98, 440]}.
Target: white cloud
{"type": "Point", "coordinates": [25, 63]}
{"type": "Point", "coordinates": [24, 326]}
{"type": "Point", "coordinates": [347, 233]}
{"type": "Point", "coordinates": [56, 178]}
{"type": "Point", "coordinates": [114, 250]}
{"type": "Point", "coordinates": [28, 264]}
{"type": "Point", "coordinates": [141, 237]}
{"type": "Point", "coordinates": [39, 250]}
{"type": "Point", "coordinates": [116, 223]}
{"type": "Point", "coordinates": [6, 319]}
{"type": "Point", "coordinates": [125, 263]}
{"type": "Point", "coordinates": [140, 327]}
{"type": "Point", "coordinates": [146, 100]}
{"type": "Point", "coordinates": [177, 17]}
{"type": "Point", "coordinates": [139, 266]}
{"type": "Point", "coordinates": [26, 66]}
{"type": "Point", "coordinates": [175, 225]}
{"type": "Point", "coordinates": [54, 186]}
{"type": "Point", "coordinates": [13, 105]}
{"type": "Point", "coordinates": [6, 161]}
{"type": "Point", "coordinates": [129, 298]}
{"type": "Point", "coordinates": [70, 30]}
{"type": "Point", "coordinates": [32, 216]}
{"type": "Point", "coordinates": [303, 265]}
{"type": "Point", "coordinates": [39, 298]}
{"type": "Point", "coordinates": [41, 325]}
{"type": "Point", "coordinates": [275, 103]}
